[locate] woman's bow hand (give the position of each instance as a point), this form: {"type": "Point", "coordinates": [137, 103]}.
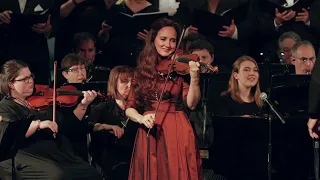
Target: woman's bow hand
{"type": "Point", "coordinates": [117, 131]}
{"type": "Point", "coordinates": [53, 126]}
{"type": "Point", "coordinates": [147, 120]}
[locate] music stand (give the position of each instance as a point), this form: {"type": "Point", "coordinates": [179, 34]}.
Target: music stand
{"type": "Point", "coordinates": [267, 70]}
{"type": "Point", "coordinates": [218, 84]}
{"type": "Point", "coordinates": [204, 83]}
{"type": "Point", "coordinates": [239, 150]}
{"type": "Point", "coordinates": [290, 93]}
{"type": "Point", "coordinates": [285, 91]}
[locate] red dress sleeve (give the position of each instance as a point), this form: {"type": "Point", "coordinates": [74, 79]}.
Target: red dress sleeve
{"type": "Point", "coordinates": [131, 101]}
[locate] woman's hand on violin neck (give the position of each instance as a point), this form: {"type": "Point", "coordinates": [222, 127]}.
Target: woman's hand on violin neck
{"type": "Point", "coordinates": [88, 97]}
{"type": "Point", "coordinates": [49, 124]}
{"type": "Point", "coordinates": [194, 70]}
{"type": "Point", "coordinates": [147, 120]}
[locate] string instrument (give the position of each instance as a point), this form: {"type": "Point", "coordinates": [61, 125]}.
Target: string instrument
{"type": "Point", "coordinates": [66, 96]}
{"type": "Point", "coordinates": [181, 65]}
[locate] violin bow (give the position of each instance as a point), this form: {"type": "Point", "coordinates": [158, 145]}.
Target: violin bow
{"type": "Point", "coordinates": [54, 105]}
{"type": "Point", "coordinates": [174, 59]}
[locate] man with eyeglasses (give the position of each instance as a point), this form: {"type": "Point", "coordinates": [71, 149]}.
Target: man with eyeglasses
{"type": "Point", "coordinates": [286, 41]}
{"type": "Point", "coordinates": [303, 57]}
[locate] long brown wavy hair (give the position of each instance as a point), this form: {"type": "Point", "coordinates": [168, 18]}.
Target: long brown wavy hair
{"type": "Point", "coordinates": [233, 88]}
{"type": "Point", "coordinates": [146, 75]}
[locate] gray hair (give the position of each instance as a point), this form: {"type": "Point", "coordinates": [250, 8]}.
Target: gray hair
{"type": "Point", "coordinates": [290, 35]}
{"type": "Point", "coordinates": [299, 44]}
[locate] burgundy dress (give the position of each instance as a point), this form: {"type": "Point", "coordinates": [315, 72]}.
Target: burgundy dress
{"type": "Point", "coordinates": [170, 152]}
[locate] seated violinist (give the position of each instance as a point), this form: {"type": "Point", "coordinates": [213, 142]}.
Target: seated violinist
{"type": "Point", "coordinates": [27, 134]}
{"type": "Point", "coordinates": [74, 68]}
{"type": "Point", "coordinates": [114, 158]}
{"type": "Point", "coordinates": [74, 71]}
{"type": "Point", "coordinates": [205, 52]}
{"type": "Point", "coordinates": [242, 97]}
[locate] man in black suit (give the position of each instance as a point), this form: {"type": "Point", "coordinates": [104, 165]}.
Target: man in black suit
{"type": "Point", "coordinates": [25, 26]}
{"type": "Point", "coordinates": [314, 100]}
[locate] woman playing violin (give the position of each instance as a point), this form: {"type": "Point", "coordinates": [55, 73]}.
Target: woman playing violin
{"type": "Point", "coordinates": [170, 150]}
{"type": "Point", "coordinates": [74, 71]}
{"type": "Point", "coordinates": [113, 126]}
{"type": "Point", "coordinates": [74, 68]}
{"type": "Point", "coordinates": [28, 134]}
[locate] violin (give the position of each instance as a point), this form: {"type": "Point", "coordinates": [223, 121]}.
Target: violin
{"type": "Point", "coordinates": [66, 96]}
{"type": "Point", "coordinates": [42, 98]}
{"type": "Point", "coordinates": [181, 65]}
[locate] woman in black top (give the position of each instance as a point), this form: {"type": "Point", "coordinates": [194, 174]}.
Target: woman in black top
{"type": "Point", "coordinates": [112, 147]}
{"type": "Point", "coordinates": [242, 97]}
{"type": "Point", "coordinates": [28, 134]}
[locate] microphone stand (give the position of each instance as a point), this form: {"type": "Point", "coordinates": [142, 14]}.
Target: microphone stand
{"type": "Point", "coordinates": [316, 158]}
{"type": "Point", "coordinates": [270, 148]}
{"type": "Point", "coordinates": [13, 166]}
{"type": "Point", "coordinates": [204, 106]}
{"type": "Point", "coordinates": [316, 154]}
{"type": "Point", "coordinates": [270, 135]}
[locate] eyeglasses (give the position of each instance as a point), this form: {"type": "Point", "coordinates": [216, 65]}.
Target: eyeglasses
{"type": "Point", "coordinates": [77, 69]}
{"type": "Point", "coordinates": [305, 59]}
{"type": "Point", "coordinates": [26, 79]}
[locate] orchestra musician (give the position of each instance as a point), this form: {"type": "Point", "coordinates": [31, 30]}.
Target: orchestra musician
{"type": "Point", "coordinates": [243, 95]}
{"type": "Point", "coordinates": [84, 44]}
{"type": "Point", "coordinates": [170, 150]}
{"type": "Point", "coordinates": [112, 147]}
{"type": "Point", "coordinates": [74, 71]}
{"type": "Point", "coordinates": [74, 68]}
{"type": "Point", "coordinates": [303, 57]}
{"type": "Point", "coordinates": [27, 134]}
{"type": "Point", "coordinates": [205, 52]}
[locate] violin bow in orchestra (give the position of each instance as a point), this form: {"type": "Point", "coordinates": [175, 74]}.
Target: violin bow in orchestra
{"type": "Point", "coordinates": [54, 105]}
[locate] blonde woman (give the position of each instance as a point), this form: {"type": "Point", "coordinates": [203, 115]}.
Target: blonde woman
{"type": "Point", "coordinates": [242, 97]}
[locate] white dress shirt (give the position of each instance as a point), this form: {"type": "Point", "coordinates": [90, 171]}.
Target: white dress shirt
{"type": "Point", "coordinates": [22, 5]}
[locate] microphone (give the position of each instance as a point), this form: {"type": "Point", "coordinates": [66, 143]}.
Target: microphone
{"type": "Point", "coordinates": [264, 97]}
